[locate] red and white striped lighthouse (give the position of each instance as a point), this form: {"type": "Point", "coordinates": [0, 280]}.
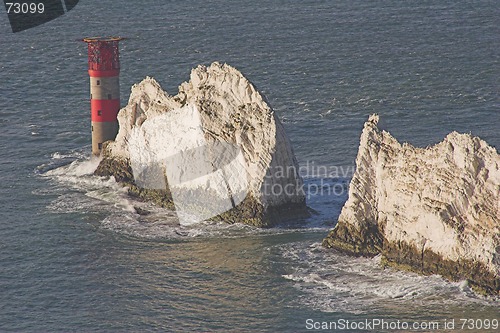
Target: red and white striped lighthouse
{"type": "Point", "coordinates": [104, 71]}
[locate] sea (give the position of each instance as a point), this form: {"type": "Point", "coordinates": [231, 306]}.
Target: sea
{"type": "Point", "coordinates": [76, 257]}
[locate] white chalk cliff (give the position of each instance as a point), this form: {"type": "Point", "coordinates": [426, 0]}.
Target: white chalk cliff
{"type": "Point", "coordinates": [434, 210]}
{"type": "Point", "coordinates": [216, 142]}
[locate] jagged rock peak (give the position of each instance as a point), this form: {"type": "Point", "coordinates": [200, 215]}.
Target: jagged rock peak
{"type": "Point", "coordinates": [435, 210]}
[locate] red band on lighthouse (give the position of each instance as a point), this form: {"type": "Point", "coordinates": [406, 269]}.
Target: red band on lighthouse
{"type": "Point", "coordinates": [110, 73]}
{"type": "Point", "coordinates": [104, 109]}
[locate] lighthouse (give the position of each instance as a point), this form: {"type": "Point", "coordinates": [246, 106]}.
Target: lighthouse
{"type": "Point", "coordinates": [104, 71]}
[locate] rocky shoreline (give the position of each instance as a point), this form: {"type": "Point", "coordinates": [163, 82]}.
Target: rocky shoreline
{"type": "Point", "coordinates": [433, 210]}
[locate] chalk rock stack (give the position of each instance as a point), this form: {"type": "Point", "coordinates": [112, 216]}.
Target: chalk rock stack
{"type": "Point", "coordinates": [216, 141]}
{"type": "Point", "coordinates": [433, 210]}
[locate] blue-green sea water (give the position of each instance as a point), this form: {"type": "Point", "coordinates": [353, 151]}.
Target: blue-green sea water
{"type": "Point", "coordinates": [74, 256]}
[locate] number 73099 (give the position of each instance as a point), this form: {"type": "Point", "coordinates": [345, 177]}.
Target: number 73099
{"type": "Point", "coordinates": [479, 324]}
{"type": "Point", "coordinates": [25, 8]}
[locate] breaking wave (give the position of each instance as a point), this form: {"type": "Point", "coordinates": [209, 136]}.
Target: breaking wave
{"type": "Point", "coordinates": [334, 282]}
{"type": "Point", "coordinates": [78, 190]}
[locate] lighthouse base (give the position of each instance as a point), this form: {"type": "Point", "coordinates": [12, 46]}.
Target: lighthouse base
{"type": "Point", "coordinates": [102, 132]}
